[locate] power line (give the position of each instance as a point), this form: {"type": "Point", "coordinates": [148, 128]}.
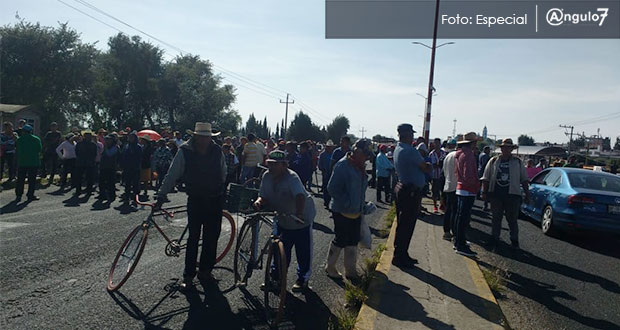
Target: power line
{"type": "Point", "coordinates": [233, 77]}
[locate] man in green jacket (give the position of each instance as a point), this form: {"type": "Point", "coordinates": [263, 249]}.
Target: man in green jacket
{"type": "Point", "coordinates": [28, 162]}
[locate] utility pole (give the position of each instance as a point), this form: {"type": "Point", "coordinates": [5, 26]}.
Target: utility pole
{"type": "Point", "coordinates": [454, 129]}
{"type": "Point", "coordinates": [431, 89]}
{"type": "Point", "coordinates": [362, 130]}
{"type": "Point", "coordinates": [286, 113]}
{"type": "Point", "coordinates": [571, 135]}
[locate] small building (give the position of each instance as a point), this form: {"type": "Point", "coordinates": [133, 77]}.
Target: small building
{"type": "Point", "coordinates": [16, 112]}
{"type": "Point", "coordinates": [537, 152]}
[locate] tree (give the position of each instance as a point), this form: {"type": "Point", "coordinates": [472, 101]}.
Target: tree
{"type": "Point", "coordinates": [191, 92]}
{"type": "Point", "coordinates": [525, 140]}
{"type": "Point", "coordinates": [277, 131]}
{"type": "Point", "coordinates": [617, 145]}
{"type": "Point", "coordinates": [606, 144]}
{"type": "Point", "coordinates": [338, 128]}
{"type": "Point", "coordinates": [45, 66]}
{"type": "Point", "coordinates": [302, 129]}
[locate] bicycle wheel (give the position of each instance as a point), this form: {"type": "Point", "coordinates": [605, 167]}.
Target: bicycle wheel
{"type": "Point", "coordinates": [226, 221]}
{"type": "Point", "coordinates": [252, 183]}
{"type": "Point", "coordinates": [244, 253]}
{"type": "Point", "coordinates": [127, 258]}
{"type": "Point", "coordinates": [275, 288]}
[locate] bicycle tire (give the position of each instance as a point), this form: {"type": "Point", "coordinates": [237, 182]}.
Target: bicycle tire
{"type": "Point", "coordinates": [244, 253]}
{"type": "Point", "coordinates": [252, 183]}
{"type": "Point", "coordinates": [274, 299]}
{"type": "Point", "coordinates": [231, 240]}
{"type": "Point", "coordinates": [135, 248]}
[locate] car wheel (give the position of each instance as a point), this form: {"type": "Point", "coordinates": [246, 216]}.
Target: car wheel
{"type": "Point", "coordinates": [547, 221]}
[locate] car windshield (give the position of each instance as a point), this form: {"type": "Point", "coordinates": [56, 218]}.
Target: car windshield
{"type": "Point", "coordinates": [594, 181]}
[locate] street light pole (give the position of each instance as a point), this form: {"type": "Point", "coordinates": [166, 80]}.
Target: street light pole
{"type": "Point", "coordinates": [431, 89]}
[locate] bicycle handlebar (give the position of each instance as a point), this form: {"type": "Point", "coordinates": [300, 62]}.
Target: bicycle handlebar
{"type": "Point", "coordinates": [152, 205]}
{"type": "Point", "coordinates": [273, 214]}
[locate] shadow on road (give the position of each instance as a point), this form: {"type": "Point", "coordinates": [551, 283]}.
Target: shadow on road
{"type": "Point", "coordinates": [546, 294]}
{"type": "Point", "coordinates": [14, 206]}
{"type": "Point", "coordinates": [414, 312]}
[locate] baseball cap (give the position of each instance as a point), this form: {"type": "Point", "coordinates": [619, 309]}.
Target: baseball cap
{"type": "Point", "coordinates": [276, 156]}
{"type": "Point", "coordinates": [402, 128]}
{"type": "Point", "coordinates": [364, 145]}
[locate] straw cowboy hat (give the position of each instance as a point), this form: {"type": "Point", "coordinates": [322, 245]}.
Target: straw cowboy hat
{"type": "Point", "coordinates": [203, 129]}
{"type": "Point", "coordinates": [469, 138]}
{"type": "Point", "coordinates": [330, 143]}
{"type": "Point", "coordinates": [508, 143]}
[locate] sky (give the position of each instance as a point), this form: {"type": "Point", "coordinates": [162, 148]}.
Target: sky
{"type": "Point", "coordinates": [511, 86]}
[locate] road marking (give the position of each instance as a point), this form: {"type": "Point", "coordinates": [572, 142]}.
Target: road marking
{"type": "Point", "coordinates": [8, 225]}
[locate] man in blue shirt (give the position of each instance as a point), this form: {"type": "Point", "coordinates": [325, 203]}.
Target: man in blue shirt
{"type": "Point", "coordinates": [345, 146]}
{"type": "Point", "coordinates": [384, 169]}
{"type": "Point", "coordinates": [411, 168]}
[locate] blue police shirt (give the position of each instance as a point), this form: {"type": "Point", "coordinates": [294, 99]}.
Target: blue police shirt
{"type": "Point", "coordinates": [407, 160]}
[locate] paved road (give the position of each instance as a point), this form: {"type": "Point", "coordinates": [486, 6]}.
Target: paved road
{"type": "Point", "coordinates": [55, 257]}
{"type": "Point", "coordinates": [567, 282]}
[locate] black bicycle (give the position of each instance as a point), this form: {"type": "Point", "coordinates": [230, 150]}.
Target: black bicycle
{"type": "Point", "coordinates": [248, 257]}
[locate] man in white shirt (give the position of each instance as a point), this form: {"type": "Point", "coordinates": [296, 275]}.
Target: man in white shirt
{"type": "Point", "coordinates": [66, 152]}
{"type": "Point", "coordinates": [449, 190]}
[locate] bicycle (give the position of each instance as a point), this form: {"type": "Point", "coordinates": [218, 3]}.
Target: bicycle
{"type": "Point", "coordinates": [248, 257]}
{"type": "Point", "coordinates": [130, 252]}
{"type": "Point", "coordinates": [258, 177]}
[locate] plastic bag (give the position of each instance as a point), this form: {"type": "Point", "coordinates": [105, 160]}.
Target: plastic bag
{"type": "Point", "coordinates": [365, 238]}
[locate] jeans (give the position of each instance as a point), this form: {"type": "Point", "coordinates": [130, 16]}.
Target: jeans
{"type": "Point", "coordinates": [463, 216]}
{"type": "Point", "coordinates": [107, 180]}
{"type": "Point", "coordinates": [450, 213]}
{"type": "Point", "coordinates": [324, 181]}
{"type": "Point", "coordinates": [80, 172]}
{"type": "Point", "coordinates": [509, 206]}
{"type": "Point", "coordinates": [408, 202]}
{"type": "Point", "coordinates": [247, 172]}
{"type": "Point", "coordinates": [302, 240]}
{"type": "Point", "coordinates": [347, 230]}
{"type": "Point", "coordinates": [204, 214]}
{"type": "Point", "coordinates": [50, 164]}
{"type": "Point", "coordinates": [22, 173]}
{"type": "Point", "coordinates": [9, 160]}
{"type": "Point", "coordinates": [68, 167]}
{"type": "Point", "coordinates": [383, 185]}
{"type": "Point", "coordinates": [131, 179]}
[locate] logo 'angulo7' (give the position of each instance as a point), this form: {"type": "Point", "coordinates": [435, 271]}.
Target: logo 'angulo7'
{"type": "Point", "coordinates": [557, 17]}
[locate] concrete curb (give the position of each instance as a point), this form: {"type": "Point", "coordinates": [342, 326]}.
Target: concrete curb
{"type": "Point", "coordinates": [367, 315]}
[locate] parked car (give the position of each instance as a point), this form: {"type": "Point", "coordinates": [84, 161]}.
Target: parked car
{"type": "Point", "coordinates": [574, 198]}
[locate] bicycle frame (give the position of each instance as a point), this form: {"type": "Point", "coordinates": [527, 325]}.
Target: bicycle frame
{"type": "Point", "coordinates": [173, 248]}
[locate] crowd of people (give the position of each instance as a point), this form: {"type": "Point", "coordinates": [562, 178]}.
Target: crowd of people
{"type": "Point", "coordinates": [203, 164]}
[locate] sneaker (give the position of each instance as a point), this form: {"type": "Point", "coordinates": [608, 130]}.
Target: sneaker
{"type": "Point", "coordinates": [435, 210]}
{"type": "Point", "coordinates": [33, 198]}
{"type": "Point", "coordinates": [466, 251]}
{"type": "Point", "coordinates": [447, 236]}
{"type": "Point", "coordinates": [300, 285]}
{"type": "Point", "coordinates": [272, 286]}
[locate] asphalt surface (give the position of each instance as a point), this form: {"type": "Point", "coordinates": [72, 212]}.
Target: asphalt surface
{"type": "Point", "coordinates": [571, 281]}
{"type": "Point", "coordinates": [55, 255]}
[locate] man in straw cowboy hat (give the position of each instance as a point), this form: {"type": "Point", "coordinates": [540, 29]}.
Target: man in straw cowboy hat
{"type": "Point", "coordinates": [503, 178]}
{"type": "Point", "coordinates": [467, 188]}
{"type": "Point", "coordinates": [202, 166]}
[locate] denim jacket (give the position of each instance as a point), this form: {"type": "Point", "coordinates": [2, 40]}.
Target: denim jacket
{"type": "Point", "coordinates": [347, 187]}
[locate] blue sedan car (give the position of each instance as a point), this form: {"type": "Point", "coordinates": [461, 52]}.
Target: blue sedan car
{"type": "Point", "coordinates": [574, 198]}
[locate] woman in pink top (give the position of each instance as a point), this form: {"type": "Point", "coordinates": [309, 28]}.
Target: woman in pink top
{"type": "Point", "coordinates": [531, 169]}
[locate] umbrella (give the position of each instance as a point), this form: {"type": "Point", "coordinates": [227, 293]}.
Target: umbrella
{"type": "Point", "coordinates": [154, 135]}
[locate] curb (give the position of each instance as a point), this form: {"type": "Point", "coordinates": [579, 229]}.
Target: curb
{"type": "Point", "coordinates": [367, 316]}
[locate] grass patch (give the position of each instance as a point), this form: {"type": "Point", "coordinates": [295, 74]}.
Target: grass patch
{"type": "Point", "coordinates": [496, 278]}
{"type": "Point", "coordinates": [344, 320]}
{"type": "Point", "coordinates": [354, 295]}
{"type": "Point", "coordinates": [388, 221]}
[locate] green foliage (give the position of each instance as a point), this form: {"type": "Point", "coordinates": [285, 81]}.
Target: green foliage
{"type": "Point", "coordinates": [302, 128]}
{"type": "Point", "coordinates": [259, 128]}
{"type": "Point", "coordinates": [343, 320]}
{"type": "Point", "coordinates": [354, 295]}
{"type": "Point", "coordinates": [71, 82]}
{"type": "Point", "coordinates": [338, 128]}
{"type": "Point", "coordinates": [525, 140]}
{"type": "Point", "coordinates": [47, 67]}
{"type": "Point", "coordinates": [617, 145]}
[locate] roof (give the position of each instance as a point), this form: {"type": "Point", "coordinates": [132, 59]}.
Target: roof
{"type": "Point", "coordinates": [12, 108]}
{"type": "Point", "coordinates": [537, 151]}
